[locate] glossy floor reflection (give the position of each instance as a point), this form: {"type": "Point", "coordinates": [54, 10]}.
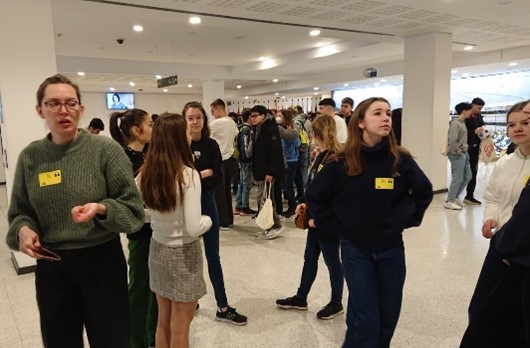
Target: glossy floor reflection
{"type": "Point", "coordinates": [444, 257]}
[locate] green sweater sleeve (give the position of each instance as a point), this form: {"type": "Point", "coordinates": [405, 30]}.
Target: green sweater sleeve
{"type": "Point", "coordinates": [20, 211]}
{"type": "Point", "coordinates": [125, 211]}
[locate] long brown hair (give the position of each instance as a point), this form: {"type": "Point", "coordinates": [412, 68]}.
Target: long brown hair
{"type": "Point", "coordinates": [287, 115]}
{"type": "Point", "coordinates": [325, 128]}
{"type": "Point", "coordinates": [163, 171]}
{"type": "Point", "coordinates": [352, 149]}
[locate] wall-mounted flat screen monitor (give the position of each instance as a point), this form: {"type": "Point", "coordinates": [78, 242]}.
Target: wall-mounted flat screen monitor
{"type": "Point", "coordinates": [119, 100]}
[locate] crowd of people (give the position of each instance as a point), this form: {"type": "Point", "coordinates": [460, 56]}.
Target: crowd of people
{"type": "Point", "coordinates": [168, 184]}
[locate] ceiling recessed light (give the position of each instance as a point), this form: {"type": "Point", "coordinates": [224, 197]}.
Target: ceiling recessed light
{"type": "Point", "coordinates": [274, 80]}
{"type": "Point", "coordinates": [238, 86]}
{"type": "Point", "coordinates": [383, 80]}
{"type": "Point", "coordinates": [283, 97]}
{"type": "Point", "coordinates": [246, 97]}
{"type": "Point", "coordinates": [112, 89]}
{"type": "Point", "coordinates": [316, 93]}
{"type": "Point", "coordinates": [277, 93]}
{"type": "Point", "coordinates": [81, 73]}
{"type": "Point", "coordinates": [454, 71]}
{"type": "Point", "coordinates": [262, 59]}
{"type": "Point", "coordinates": [165, 90]}
{"type": "Point", "coordinates": [346, 84]}
{"type": "Point", "coordinates": [158, 77]}
{"type": "Point", "coordinates": [138, 28]}
{"type": "Point", "coordinates": [513, 64]}
{"type": "Point", "coordinates": [132, 84]}
{"type": "Point", "coordinates": [314, 32]}
{"type": "Point", "coordinates": [468, 48]}
{"type": "Point", "coordinates": [195, 20]}
{"type": "Point", "coordinates": [190, 85]}
{"type": "Point", "coordinates": [315, 88]}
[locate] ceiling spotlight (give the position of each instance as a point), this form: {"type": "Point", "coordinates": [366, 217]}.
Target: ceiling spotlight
{"type": "Point", "coordinates": [138, 28]}
{"type": "Point", "coordinates": [346, 84]}
{"type": "Point", "coordinates": [315, 88]}
{"type": "Point", "coordinates": [246, 97]}
{"type": "Point", "coordinates": [277, 93]}
{"type": "Point", "coordinates": [274, 80]}
{"type": "Point", "coordinates": [190, 85]}
{"type": "Point", "coordinates": [158, 77]}
{"type": "Point", "coordinates": [195, 20]}
{"type": "Point", "coordinates": [383, 80]}
{"type": "Point", "coordinates": [283, 97]}
{"type": "Point", "coordinates": [81, 73]}
{"type": "Point", "coordinates": [468, 48]}
{"type": "Point", "coordinates": [112, 89]}
{"type": "Point", "coordinates": [316, 93]}
{"type": "Point", "coordinates": [314, 32]}
{"type": "Point", "coordinates": [132, 84]}
{"type": "Point", "coordinates": [238, 86]}
{"type": "Point", "coordinates": [165, 90]}
{"type": "Point", "coordinates": [513, 64]}
{"type": "Point", "coordinates": [262, 59]}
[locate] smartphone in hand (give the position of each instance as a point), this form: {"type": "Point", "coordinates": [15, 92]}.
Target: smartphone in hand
{"type": "Point", "coordinates": [46, 254]}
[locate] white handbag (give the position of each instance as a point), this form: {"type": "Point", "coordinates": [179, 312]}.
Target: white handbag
{"type": "Point", "coordinates": [265, 218]}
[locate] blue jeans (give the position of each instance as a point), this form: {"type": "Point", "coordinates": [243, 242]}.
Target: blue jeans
{"type": "Point", "coordinates": [289, 185]}
{"type": "Point", "coordinates": [243, 188]}
{"type": "Point", "coordinates": [331, 254]}
{"type": "Point", "coordinates": [211, 249]}
{"type": "Point", "coordinates": [375, 280]}
{"type": "Point", "coordinates": [460, 175]}
{"type": "Point", "coordinates": [301, 174]}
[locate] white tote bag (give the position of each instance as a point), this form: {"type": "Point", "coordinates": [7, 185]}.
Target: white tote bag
{"type": "Point", "coordinates": [265, 218]}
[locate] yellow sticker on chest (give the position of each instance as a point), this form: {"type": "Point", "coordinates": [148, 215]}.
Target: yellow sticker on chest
{"type": "Point", "coordinates": [50, 178]}
{"type": "Point", "coordinates": [384, 183]}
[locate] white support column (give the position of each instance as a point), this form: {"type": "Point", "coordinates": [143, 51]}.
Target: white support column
{"type": "Point", "coordinates": [426, 91]}
{"type": "Point", "coordinates": [211, 90]}
{"type": "Point", "coordinates": [27, 58]}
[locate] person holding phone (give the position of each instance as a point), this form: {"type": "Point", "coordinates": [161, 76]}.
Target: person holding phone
{"type": "Point", "coordinates": [73, 193]}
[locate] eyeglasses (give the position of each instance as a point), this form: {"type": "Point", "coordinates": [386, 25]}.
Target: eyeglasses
{"type": "Point", "coordinates": [254, 115]}
{"type": "Point", "coordinates": [55, 106]}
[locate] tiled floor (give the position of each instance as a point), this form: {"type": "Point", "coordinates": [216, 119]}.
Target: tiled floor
{"type": "Point", "coordinates": [444, 257]}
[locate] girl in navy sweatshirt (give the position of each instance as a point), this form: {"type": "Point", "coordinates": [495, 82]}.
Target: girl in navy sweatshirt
{"type": "Point", "coordinates": [370, 194]}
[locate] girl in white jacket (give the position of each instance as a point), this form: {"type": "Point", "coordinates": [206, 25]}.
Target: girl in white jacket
{"type": "Point", "coordinates": [171, 191]}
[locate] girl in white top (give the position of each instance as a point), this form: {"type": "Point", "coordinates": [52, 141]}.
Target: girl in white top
{"type": "Point", "coordinates": [508, 179]}
{"type": "Point", "coordinates": [171, 191]}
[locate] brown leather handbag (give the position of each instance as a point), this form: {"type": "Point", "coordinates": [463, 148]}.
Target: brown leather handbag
{"type": "Point", "coordinates": [301, 221]}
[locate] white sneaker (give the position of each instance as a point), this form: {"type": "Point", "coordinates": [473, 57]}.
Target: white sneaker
{"type": "Point", "coordinates": [272, 233]}
{"type": "Point", "coordinates": [452, 206]}
{"type": "Point", "coordinates": [460, 202]}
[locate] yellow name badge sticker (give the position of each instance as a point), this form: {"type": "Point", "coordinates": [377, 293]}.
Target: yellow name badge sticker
{"type": "Point", "coordinates": [50, 178]}
{"type": "Point", "coordinates": [525, 181]}
{"type": "Point", "coordinates": [384, 183]}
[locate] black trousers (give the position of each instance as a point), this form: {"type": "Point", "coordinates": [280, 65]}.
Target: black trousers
{"type": "Point", "coordinates": [88, 287]}
{"type": "Point", "coordinates": [473, 152]}
{"type": "Point", "coordinates": [503, 320]}
{"type": "Point", "coordinates": [223, 194]}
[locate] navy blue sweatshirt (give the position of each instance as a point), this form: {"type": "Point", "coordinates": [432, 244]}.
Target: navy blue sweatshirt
{"type": "Point", "coordinates": [512, 241]}
{"type": "Point", "coordinates": [207, 155]}
{"type": "Point", "coordinates": [370, 218]}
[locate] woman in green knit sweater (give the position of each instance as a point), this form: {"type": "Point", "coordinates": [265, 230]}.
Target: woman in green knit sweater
{"type": "Point", "coordinates": [73, 193]}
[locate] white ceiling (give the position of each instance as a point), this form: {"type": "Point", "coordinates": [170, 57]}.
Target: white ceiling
{"type": "Point", "coordinates": [235, 33]}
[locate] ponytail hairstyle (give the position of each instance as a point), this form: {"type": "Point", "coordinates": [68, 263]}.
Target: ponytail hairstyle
{"type": "Point", "coordinates": [122, 131]}
{"type": "Point", "coordinates": [325, 128]}
{"type": "Point", "coordinates": [163, 171]}
{"type": "Point", "coordinates": [352, 149]}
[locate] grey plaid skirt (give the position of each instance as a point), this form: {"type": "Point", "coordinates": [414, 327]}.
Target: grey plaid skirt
{"type": "Point", "coordinates": [175, 272]}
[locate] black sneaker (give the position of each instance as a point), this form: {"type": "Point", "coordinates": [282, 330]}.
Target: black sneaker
{"type": "Point", "coordinates": [330, 311]}
{"type": "Point", "coordinates": [246, 211]}
{"type": "Point", "coordinates": [231, 316]}
{"type": "Point", "coordinates": [294, 302]}
{"type": "Point", "coordinates": [289, 213]}
{"type": "Point", "coordinates": [472, 200]}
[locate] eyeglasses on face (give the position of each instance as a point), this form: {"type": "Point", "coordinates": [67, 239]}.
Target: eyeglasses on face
{"type": "Point", "coordinates": [55, 106]}
{"type": "Point", "coordinates": [254, 115]}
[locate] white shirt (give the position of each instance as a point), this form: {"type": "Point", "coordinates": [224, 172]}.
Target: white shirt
{"type": "Point", "coordinates": [342, 129]}
{"type": "Point", "coordinates": [223, 130]}
{"type": "Point", "coordinates": [505, 185]}
{"type": "Point", "coordinates": [185, 224]}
